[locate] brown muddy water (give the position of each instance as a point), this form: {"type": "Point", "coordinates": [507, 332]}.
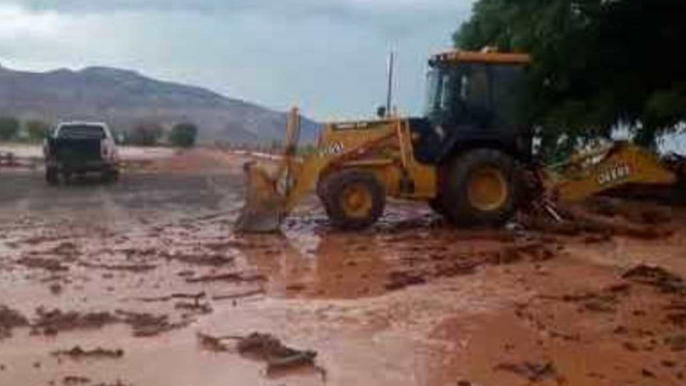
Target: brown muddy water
{"type": "Point", "coordinates": [124, 277]}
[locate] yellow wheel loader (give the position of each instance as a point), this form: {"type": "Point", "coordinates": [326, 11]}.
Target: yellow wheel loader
{"type": "Point", "coordinates": [466, 157]}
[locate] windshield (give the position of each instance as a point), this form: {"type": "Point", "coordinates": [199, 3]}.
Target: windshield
{"type": "Point", "coordinates": [439, 92]}
{"type": "Point", "coordinates": [432, 91]}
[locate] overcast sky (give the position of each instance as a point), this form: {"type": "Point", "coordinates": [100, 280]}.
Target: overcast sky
{"type": "Point", "coordinates": [329, 56]}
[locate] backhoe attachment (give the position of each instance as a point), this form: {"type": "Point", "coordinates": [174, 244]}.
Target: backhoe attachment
{"type": "Point", "coordinates": [607, 167]}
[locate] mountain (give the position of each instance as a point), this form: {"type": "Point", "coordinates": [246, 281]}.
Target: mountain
{"type": "Point", "coordinates": [125, 99]}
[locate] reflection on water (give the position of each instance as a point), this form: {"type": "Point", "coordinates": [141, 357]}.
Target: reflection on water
{"type": "Point", "coordinates": [305, 263]}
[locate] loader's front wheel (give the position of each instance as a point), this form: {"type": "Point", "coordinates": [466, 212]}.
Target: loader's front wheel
{"type": "Point", "coordinates": [481, 188]}
{"type": "Point", "coordinates": [436, 204]}
{"type": "Point", "coordinates": [353, 199]}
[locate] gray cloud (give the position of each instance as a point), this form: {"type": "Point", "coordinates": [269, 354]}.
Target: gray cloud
{"type": "Point", "coordinates": [380, 13]}
{"type": "Point", "coordinates": [327, 55]}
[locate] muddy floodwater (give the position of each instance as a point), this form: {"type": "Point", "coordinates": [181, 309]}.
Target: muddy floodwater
{"type": "Point", "coordinates": [116, 285]}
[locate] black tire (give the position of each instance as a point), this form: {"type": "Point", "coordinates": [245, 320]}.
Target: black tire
{"type": "Point", "coordinates": [52, 176]}
{"type": "Point", "coordinates": [335, 190]}
{"type": "Point", "coordinates": [460, 190]}
{"type": "Point", "coordinates": [321, 188]}
{"type": "Point", "coordinates": [436, 204]}
{"type": "Point", "coordinates": [110, 176]}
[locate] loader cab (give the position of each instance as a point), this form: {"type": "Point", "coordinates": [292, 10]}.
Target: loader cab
{"type": "Point", "coordinates": [472, 97]}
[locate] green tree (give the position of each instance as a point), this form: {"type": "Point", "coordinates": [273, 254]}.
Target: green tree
{"type": "Point", "coordinates": [183, 135]}
{"type": "Point", "coordinates": [37, 129]}
{"type": "Point", "coordinates": [597, 64]}
{"type": "Point", "coordinates": [9, 128]}
{"type": "Point", "coordinates": [145, 134]}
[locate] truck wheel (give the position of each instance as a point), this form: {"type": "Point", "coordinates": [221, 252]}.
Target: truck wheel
{"type": "Point", "coordinates": [51, 176]}
{"type": "Point", "coordinates": [481, 188]}
{"type": "Point", "coordinates": [353, 199]}
{"type": "Point", "coordinates": [110, 176]}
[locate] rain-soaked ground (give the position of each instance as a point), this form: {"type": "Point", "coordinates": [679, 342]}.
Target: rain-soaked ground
{"type": "Point", "coordinates": [108, 285]}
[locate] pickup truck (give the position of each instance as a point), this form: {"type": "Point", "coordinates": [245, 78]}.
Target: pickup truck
{"type": "Point", "coordinates": [77, 148]}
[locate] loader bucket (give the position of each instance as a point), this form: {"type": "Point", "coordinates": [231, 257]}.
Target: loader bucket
{"type": "Point", "coordinates": [264, 206]}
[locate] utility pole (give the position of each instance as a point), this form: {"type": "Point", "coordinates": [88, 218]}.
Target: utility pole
{"type": "Point", "coordinates": [389, 95]}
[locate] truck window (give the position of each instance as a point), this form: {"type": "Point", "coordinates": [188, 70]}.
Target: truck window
{"type": "Point", "coordinates": [81, 132]}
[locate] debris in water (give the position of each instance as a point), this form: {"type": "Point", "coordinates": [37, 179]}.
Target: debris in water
{"type": "Point", "coordinates": [534, 372]}
{"type": "Point", "coordinates": [213, 260]}
{"type": "Point", "coordinates": [400, 279]}
{"type": "Point", "coordinates": [657, 277]}
{"type": "Point", "coordinates": [72, 380]}
{"type": "Point", "coordinates": [78, 353]}
{"type": "Point", "coordinates": [232, 277]}
{"type": "Point", "coordinates": [136, 268]}
{"type": "Point", "coordinates": [241, 295]}
{"type": "Point", "coordinates": [264, 347]}
{"type": "Point", "coordinates": [10, 319]}
{"type": "Point", "coordinates": [55, 321]}
{"type": "Point", "coordinates": [55, 288]}
{"type": "Point", "coordinates": [46, 264]}
{"type": "Point", "coordinates": [147, 325]}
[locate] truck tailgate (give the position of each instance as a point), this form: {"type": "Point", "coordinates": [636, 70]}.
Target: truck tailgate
{"type": "Point", "coordinates": [77, 151]}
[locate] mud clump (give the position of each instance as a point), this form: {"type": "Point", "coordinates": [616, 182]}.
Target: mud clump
{"type": "Point", "coordinates": [276, 354]}
{"type": "Point", "coordinates": [73, 380]}
{"type": "Point", "coordinates": [115, 383]}
{"type": "Point", "coordinates": [603, 302]}
{"type": "Point", "coordinates": [10, 319]}
{"type": "Point", "coordinates": [604, 221]}
{"type": "Point", "coordinates": [55, 288]}
{"type": "Point", "coordinates": [534, 372]}
{"type": "Point", "coordinates": [534, 251]}
{"type": "Point", "coordinates": [214, 344]}
{"type": "Point", "coordinates": [148, 325]}
{"type": "Point", "coordinates": [401, 279]}
{"type": "Point", "coordinates": [233, 277]}
{"type": "Point", "coordinates": [55, 321]}
{"type": "Point", "coordinates": [195, 307]}
{"type": "Point", "coordinates": [42, 263]}
{"type": "Point", "coordinates": [657, 277]}
{"type": "Point", "coordinates": [460, 268]}
{"type": "Point", "coordinates": [676, 343]}
{"type": "Point", "coordinates": [65, 249]}
{"type": "Point", "coordinates": [135, 268]}
{"type": "Point", "coordinates": [78, 353]}
{"type": "Point", "coordinates": [264, 347]}
{"type": "Point", "coordinates": [212, 260]}
{"type": "Point", "coordinates": [677, 319]}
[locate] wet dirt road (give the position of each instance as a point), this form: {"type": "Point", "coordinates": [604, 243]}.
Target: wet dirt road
{"type": "Point", "coordinates": [112, 285]}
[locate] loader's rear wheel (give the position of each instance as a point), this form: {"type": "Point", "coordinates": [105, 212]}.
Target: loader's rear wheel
{"type": "Point", "coordinates": [481, 188]}
{"type": "Point", "coordinates": [353, 199]}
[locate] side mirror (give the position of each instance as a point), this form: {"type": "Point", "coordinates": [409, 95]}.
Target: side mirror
{"type": "Point", "coordinates": [381, 111]}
